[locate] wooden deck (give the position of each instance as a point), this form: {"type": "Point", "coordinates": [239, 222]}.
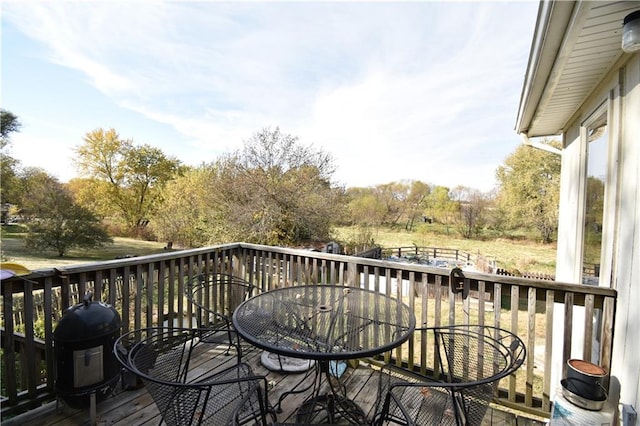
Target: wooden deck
{"type": "Point", "coordinates": [135, 407]}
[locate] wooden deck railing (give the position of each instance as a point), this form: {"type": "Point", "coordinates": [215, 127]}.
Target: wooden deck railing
{"type": "Point", "coordinates": [452, 255]}
{"type": "Point", "coordinates": [148, 291]}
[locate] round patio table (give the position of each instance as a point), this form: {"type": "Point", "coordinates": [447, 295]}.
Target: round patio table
{"type": "Point", "coordinates": [325, 323]}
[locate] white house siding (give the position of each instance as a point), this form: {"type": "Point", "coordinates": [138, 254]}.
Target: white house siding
{"type": "Point", "coordinates": [569, 246]}
{"type": "Point", "coordinates": [626, 275]}
{"type": "Point", "coordinates": [621, 229]}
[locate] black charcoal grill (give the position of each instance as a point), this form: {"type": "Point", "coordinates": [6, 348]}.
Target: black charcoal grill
{"type": "Point", "coordinates": [86, 368]}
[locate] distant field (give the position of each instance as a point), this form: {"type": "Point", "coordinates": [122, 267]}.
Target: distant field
{"type": "Point", "coordinates": [520, 254]}
{"type": "Point", "coordinates": [525, 256]}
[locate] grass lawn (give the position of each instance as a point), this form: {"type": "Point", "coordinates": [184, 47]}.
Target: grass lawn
{"type": "Point", "coordinates": [520, 254]}
{"type": "Point", "coordinates": [14, 250]}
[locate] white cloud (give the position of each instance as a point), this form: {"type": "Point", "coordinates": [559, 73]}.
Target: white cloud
{"type": "Point", "coordinates": [393, 90]}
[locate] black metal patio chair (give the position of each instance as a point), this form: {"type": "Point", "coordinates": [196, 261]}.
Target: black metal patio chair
{"type": "Point", "coordinates": [215, 296]}
{"type": "Point", "coordinates": [179, 370]}
{"type": "Point", "coordinates": [471, 360]}
{"type": "Point", "coordinates": [216, 293]}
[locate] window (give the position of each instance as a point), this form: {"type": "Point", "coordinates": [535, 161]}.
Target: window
{"type": "Point", "coordinates": [594, 196]}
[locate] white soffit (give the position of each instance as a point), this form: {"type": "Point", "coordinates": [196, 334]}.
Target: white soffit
{"type": "Point", "coordinates": [571, 53]}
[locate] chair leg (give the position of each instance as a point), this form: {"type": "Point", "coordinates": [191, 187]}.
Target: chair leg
{"type": "Point", "coordinates": [459, 408]}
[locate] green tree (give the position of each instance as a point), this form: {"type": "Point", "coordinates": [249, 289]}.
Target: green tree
{"type": "Point", "coordinates": [9, 189]}
{"type": "Point", "coordinates": [364, 208]}
{"type": "Point", "coordinates": [471, 210]}
{"type": "Point", "coordinates": [276, 191]}
{"type": "Point", "coordinates": [416, 202]}
{"type": "Point", "coordinates": [497, 218]}
{"type": "Point", "coordinates": [87, 192]}
{"type": "Point", "coordinates": [185, 217]}
{"type": "Point", "coordinates": [389, 203]}
{"type": "Point", "coordinates": [441, 207]}
{"type": "Point", "coordinates": [129, 179]}
{"type": "Point", "coordinates": [393, 197]}
{"type": "Point", "coordinates": [9, 123]}
{"type": "Point", "coordinates": [55, 221]}
{"type": "Point", "coordinates": [529, 184]}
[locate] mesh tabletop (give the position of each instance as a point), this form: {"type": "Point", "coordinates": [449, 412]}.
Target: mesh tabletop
{"type": "Point", "coordinates": [324, 322]}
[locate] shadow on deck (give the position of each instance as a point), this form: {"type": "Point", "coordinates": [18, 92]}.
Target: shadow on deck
{"type": "Point", "coordinates": [136, 407]}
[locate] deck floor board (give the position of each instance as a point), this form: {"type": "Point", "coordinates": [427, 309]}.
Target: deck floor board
{"type": "Point", "coordinates": [136, 407]}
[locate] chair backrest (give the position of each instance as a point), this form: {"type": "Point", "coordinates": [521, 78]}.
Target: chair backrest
{"type": "Point", "coordinates": [217, 293]}
{"type": "Point", "coordinates": [471, 359]}
{"type": "Point", "coordinates": [184, 393]}
{"type": "Point", "coordinates": [476, 354]}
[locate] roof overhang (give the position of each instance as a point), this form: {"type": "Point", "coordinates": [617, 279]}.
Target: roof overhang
{"type": "Point", "coordinates": [575, 45]}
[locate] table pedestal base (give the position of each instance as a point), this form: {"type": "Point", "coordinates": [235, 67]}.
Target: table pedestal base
{"type": "Point", "coordinates": [330, 409]}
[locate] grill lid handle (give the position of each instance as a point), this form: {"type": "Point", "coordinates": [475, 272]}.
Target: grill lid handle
{"type": "Point", "coordinates": [87, 299]}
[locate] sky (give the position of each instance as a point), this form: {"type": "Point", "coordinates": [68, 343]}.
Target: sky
{"type": "Point", "coordinates": [394, 90]}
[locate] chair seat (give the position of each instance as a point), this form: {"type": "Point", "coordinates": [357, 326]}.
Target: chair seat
{"type": "Point", "coordinates": [471, 361]}
{"type": "Point", "coordinates": [418, 400]}
{"type": "Point", "coordinates": [426, 405]}
{"type": "Point", "coordinates": [230, 390]}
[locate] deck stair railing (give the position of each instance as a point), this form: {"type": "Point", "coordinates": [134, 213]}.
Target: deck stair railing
{"type": "Point", "coordinates": [148, 291]}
